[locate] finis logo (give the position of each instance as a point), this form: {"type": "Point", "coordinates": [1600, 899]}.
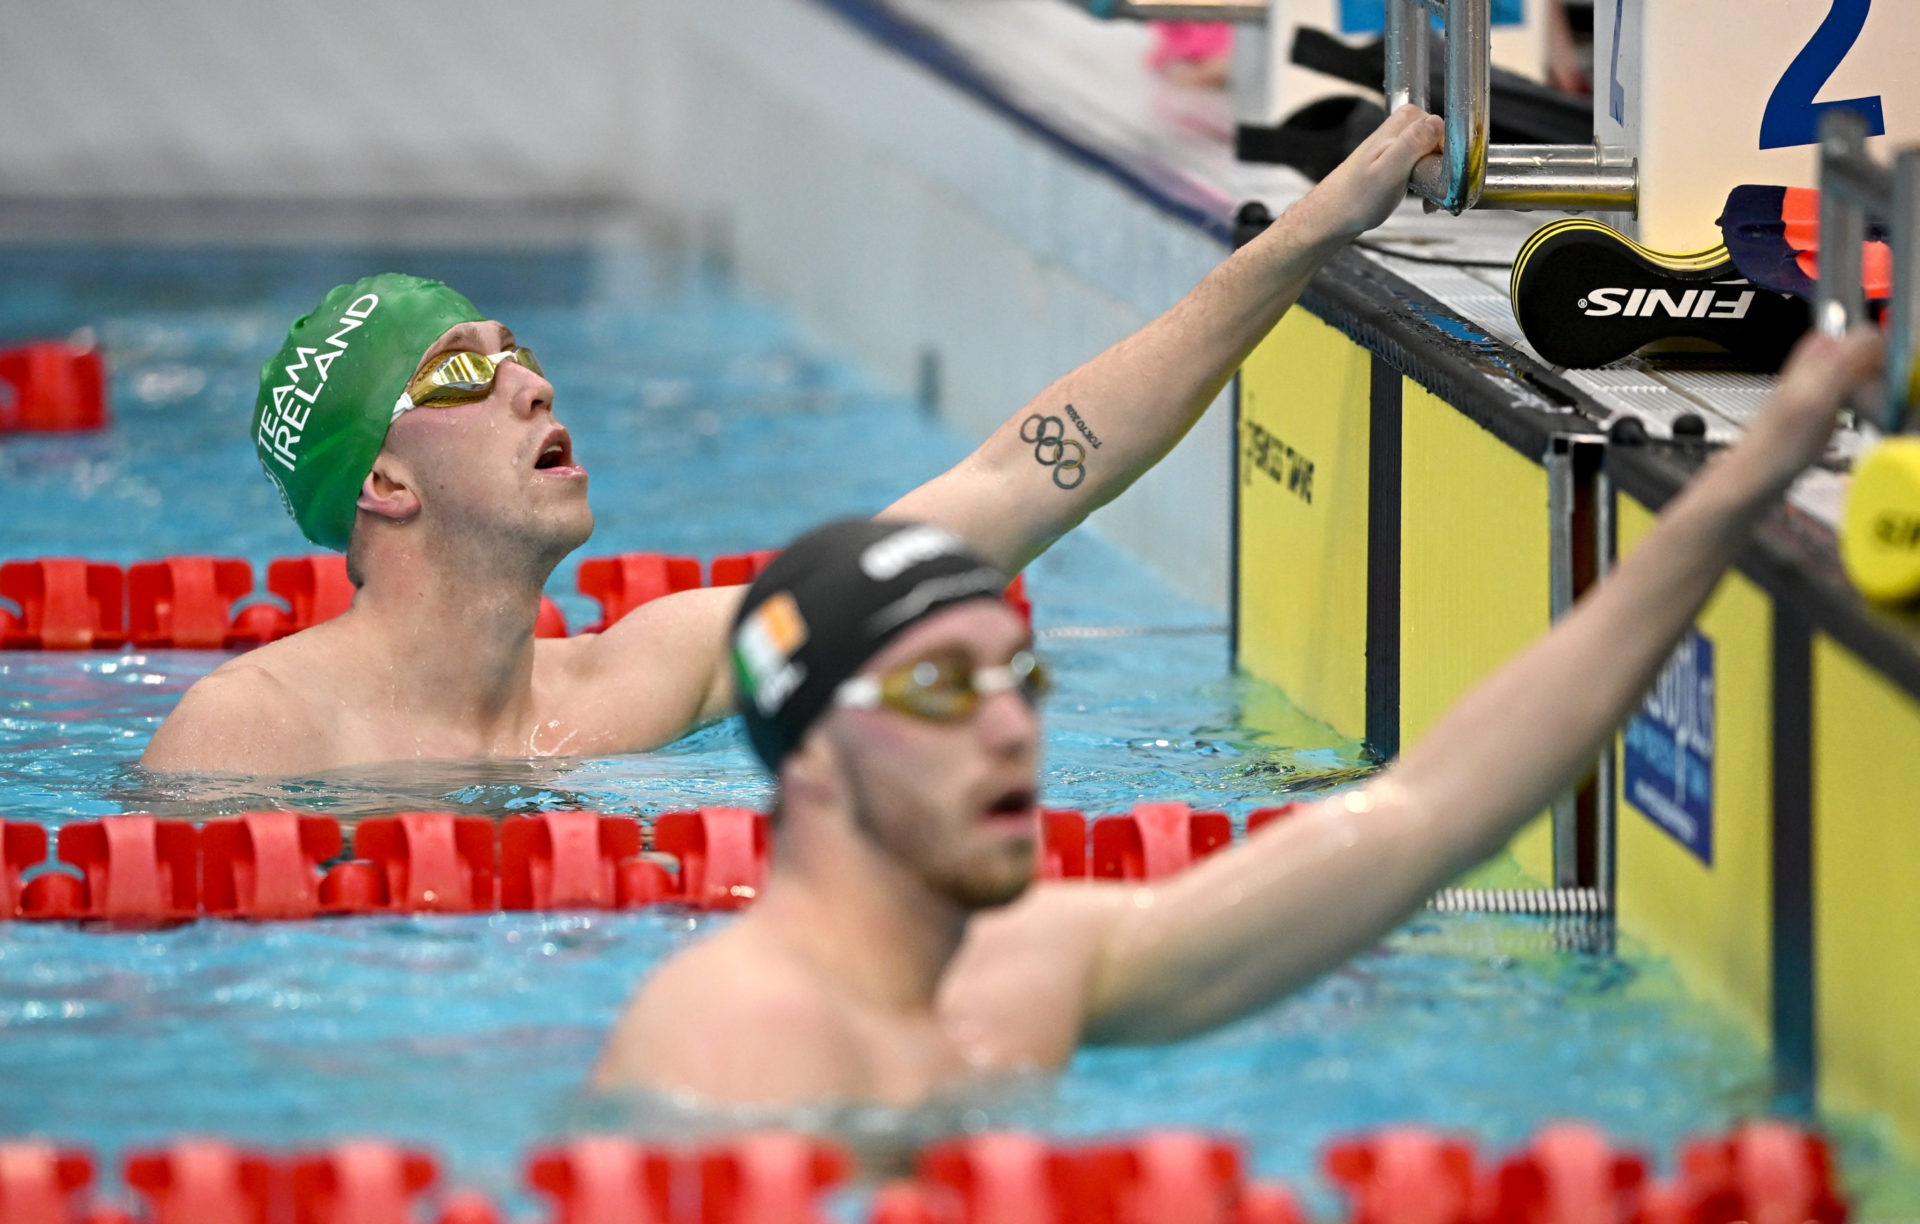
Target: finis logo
{"type": "Point", "coordinates": [1650, 303]}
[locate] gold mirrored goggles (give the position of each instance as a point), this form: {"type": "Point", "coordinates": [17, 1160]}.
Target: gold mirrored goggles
{"type": "Point", "coordinates": [945, 688]}
{"type": "Point", "coordinates": [461, 378]}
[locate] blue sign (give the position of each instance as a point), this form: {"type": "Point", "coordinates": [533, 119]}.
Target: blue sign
{"type": "Point", "coordinates": [1370, 16]}
{"type": "Point", "coordinates": [1669, 748]}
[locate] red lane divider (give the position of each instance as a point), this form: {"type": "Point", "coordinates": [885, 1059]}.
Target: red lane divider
{"type": "Point", "coordinates": [315, 587]}
{"type": "Point", "coordinates": [1762, 1173]}
{"type": "Point", "coordinates": [203, 1181]}
{"type": "Point", "coordinates": [142, 869]}
{"type": "Point", "coordinates": [1063, 844]}
{"type": "Point", "coordinates": [41, 1183]}
{"type": "Point", "coordinates": [564, 860]}
{"type": "Point", "coordinates": [362, 1182]}
{"type": "Point", "coordinates": [722, 852]}
{"type": "Point", "coordinates": [131, 869]}
{"type": "Point", "coordinates": [622, 583]}
{"type": "Point", "coordinates": [768, 1177]}
{"type": "Point", "coordinates": [1016, 598]}
{"type": "Point", "coordinates": [52, 387]}
{"type": "Point", "coordinates": [605, 1181]}
{"type": "Point", "coordinates": [65, 604]}
{"type": "Point", "coordinates": [265, 864]}
{"type": "Point", "coordinates": [183, 601]}
{"type": "Point", "coordinates": [1569, 1174]}
{"type": "Point", "coordinates": [21, 847]}
{"type": "Point", "coordinates": [285, 865]}
{"type": "Point", "coordinates": [741, 568]}
{"type": "Point", "coordinates": [1405, 1176]}
{"type": "Point", "coordinates": [431, 861]}
{"type": "Point", "coordinates": [1155, 840]}
{"type": "Point", "coordinates": [200, 603]}
{"type": "Point", "coordinates": [1261, 817]}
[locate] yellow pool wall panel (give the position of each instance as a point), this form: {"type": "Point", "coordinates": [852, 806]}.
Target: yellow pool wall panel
{"type": "Point", "coordinates": [1305, 399]}
{"type": "Point", "coordinates": [1474, 571]}
{"type": "Point", "coordinates": [1866, 876]}
{"type": "Point", "coordinates": [1714, 921]}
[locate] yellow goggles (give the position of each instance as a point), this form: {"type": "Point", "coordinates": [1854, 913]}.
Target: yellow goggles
{"type": "Point", "coordinates": [945, 688]}
{"type": "Point", "coordinates": [461, 378]}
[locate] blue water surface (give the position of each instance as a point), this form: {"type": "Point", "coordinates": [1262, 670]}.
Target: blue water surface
{"type": "Point", "coordinates": [709, 426]}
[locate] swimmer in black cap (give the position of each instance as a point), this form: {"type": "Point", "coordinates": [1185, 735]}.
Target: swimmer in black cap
{"type": "Point", "coordinates": [408, 429]}
{"type": "Point", "coordinates": [897, 949]}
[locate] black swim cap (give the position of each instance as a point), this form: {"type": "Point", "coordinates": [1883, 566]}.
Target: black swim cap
{"type": "Point", "coordinates": [827, 604]}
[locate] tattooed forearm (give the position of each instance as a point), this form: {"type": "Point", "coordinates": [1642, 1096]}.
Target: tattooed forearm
{"type": "Point", "coordinates": [1053, 449]}
{"type": "Point", "coordinates": [1086, 431]}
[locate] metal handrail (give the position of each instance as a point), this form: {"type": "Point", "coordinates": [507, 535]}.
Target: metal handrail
{"type": "Point", "coordinates": [1468, 172]}
{"type": "Point", "coordinates": [1854, 191]}
{"type": "Point", "coordinates": [1247, 11]}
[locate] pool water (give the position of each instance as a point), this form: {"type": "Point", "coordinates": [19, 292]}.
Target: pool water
{"type": "Point", "coordinates": [710, 425]}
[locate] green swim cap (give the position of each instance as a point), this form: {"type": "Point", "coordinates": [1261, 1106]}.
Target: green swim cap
{"type": "Point", "coordinates": [326, 398]}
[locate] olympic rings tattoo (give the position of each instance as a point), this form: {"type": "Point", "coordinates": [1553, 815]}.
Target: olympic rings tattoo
{"type": "Point", "coordinates": [1052, 448]}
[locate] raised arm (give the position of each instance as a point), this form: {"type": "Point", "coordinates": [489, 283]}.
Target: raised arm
{"type": "Point", "coordinates": [1258, 921]}
{"type": "Point", "coordinates": [1084, 439]}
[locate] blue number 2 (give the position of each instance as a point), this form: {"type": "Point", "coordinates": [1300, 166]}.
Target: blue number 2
{"type": "Point", "coordinates": [1792, 116]}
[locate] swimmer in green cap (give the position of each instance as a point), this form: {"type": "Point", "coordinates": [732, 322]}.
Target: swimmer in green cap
{"type": "Point", "coordinates": [897, 949]}
{"type": "Point", "coordinates": [406, 428]}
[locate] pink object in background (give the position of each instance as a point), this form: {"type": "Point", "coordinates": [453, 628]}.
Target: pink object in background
{"type": "Point", "coordinates": [1192, 42]}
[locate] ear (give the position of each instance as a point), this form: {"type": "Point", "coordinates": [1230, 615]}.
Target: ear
{"type": "Point", "coordinates": [387, 491]}
{"type": "Point", "coordinates": [811, 776]}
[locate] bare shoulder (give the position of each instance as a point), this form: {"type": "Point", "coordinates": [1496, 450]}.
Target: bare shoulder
{"type": "Point", "coordinates": [664, 665]}
{"type": "Point", "coordinates": [1023, 973]}
{"type": "Point", "coordinates": [725, 1022]}
{"type": "Point", "coordinates": [243, 717]}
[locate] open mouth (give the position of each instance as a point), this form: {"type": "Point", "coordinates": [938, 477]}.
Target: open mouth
{"type": "Point", "coordinates": [1014, 804]}
{"type": "Point", "coordinates": [557, 453]}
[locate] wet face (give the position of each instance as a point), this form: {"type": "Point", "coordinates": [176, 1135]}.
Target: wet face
{"type": "Point", "coordinates": [954, 801]}
{"type": "Point", "coordinates": [500, 471]}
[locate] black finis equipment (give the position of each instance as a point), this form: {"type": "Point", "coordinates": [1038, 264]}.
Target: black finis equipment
{"type": "Point", "coordinates": [1586, 295]}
